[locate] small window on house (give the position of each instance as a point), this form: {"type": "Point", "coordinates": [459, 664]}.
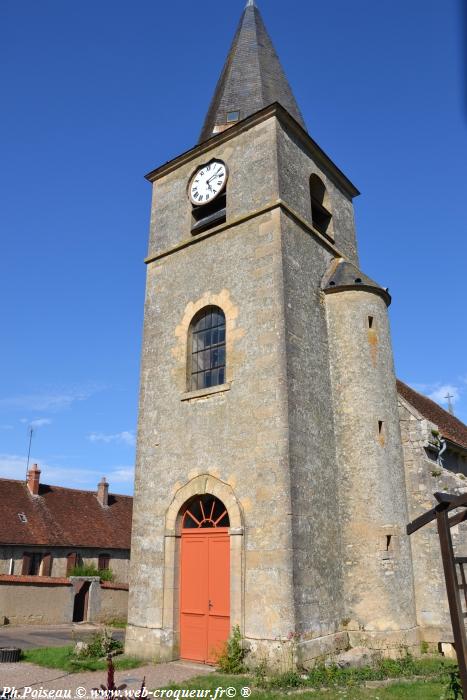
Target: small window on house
{"type": "Point", "coordinates": [206, 345]}
{"type": "Point", "coordinates": [103, 562]}
{"type": "Point", "coordinates": [233, 117]}
{"type": "Point", "coordinates": [320, 216]}
{"type": "Point", "coordinates": [31, 563]}
{"type": "Point", "coordinates": [71, 562]}
{"type": "Point", "coordinates": [46, 565]}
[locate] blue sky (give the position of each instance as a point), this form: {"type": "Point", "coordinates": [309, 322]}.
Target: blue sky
{"type": "Point", "coordinates": [96, 94]}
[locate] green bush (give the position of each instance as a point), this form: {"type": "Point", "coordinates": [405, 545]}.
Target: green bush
{"type": "Point", "coordinates": [233, 655]}
{"type": "Point", "coordinates": [101, 644]}
{"type": "Point", "coordinates": [91, 570]}
{"type": "Point", "coordinates": [454, 688]}
{"type": "Point", "coordinates": [105, 574]}
{"type": "Point", "coordinates": [289, 679]}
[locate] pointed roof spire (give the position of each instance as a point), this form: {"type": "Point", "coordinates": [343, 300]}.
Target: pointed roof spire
{"type": "Point", "coordinates": [252, 78]}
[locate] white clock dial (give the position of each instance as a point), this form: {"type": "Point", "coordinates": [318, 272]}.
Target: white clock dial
{"type": "Point", "coordinates": [208, 182]}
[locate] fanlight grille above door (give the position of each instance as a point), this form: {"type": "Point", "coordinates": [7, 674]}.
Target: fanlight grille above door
{"type": "Point", "coordinates": [206, 512]}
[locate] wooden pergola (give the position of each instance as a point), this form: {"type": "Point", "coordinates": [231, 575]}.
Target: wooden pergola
{"type": "Point", "coordinates": [452, 565]}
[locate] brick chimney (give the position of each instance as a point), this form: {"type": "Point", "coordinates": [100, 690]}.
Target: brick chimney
{"type": "Point", "coordinates": [34, 475]}
{"type": "Point", "coordinates": [103, 492]}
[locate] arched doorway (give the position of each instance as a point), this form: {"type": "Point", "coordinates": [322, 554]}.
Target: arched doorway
{"type": "Point", "coordinates": [204, 579]}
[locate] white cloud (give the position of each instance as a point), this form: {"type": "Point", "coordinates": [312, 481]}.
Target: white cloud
{"type": "Point", "coordinates": [14, 467]}
{"type": "Point", "coordinates": [126, 437]}
{"type": "Point", "coordinates": [55, 400]}
{"type": "Point", "coordinates": [40, 422]}
{"type": "Point", "coordinates": [122, 475]}
{"type": "Point", "coordinates": [440, 392]}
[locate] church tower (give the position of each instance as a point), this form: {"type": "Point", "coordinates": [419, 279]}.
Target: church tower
{"type": "Point", "coordinates": [269, 489]}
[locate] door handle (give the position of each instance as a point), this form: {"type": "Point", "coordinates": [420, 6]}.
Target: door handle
{"type": "Point", "coordinates": [210, 605]}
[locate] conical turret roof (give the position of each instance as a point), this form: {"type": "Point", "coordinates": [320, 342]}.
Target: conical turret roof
{"type": "Point", "coordinates": [252, 78]}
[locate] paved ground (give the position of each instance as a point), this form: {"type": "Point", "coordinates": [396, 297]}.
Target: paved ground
{"type": "Point", "coordinates": [25, 674]}
{"type": "Point", "coordinates": [33, 636]}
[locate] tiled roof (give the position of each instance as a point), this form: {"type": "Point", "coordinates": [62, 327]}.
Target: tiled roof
{"type": "Point", "coordinates": [36, 580]}
{"type": "Point", "coordinates": [343, 275]}
{"type": "Point", "coordinates": [62, 517]}
{"type": "Point", "coordinates": [252, 77]}
{"type": "Point", "coordinates": [449, 426]}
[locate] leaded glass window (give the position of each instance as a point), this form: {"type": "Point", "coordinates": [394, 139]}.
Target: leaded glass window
{"type": "Point", "coordinates": [207, 356]}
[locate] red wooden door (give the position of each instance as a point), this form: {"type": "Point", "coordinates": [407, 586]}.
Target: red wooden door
{"type": "Point", "coordinates": [204, 594]}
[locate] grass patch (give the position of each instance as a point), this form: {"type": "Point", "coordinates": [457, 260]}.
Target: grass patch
{"type": "Point", "coordinates": [417, 690]}
{"type": "Point", "coordinates": [118, 623]}
{"type": "Point", "coordinates": [435, 668]}
{"type": "Point", "coordinates": [419, 679]}
{"type": "Point", "coordinates": [62, 658]}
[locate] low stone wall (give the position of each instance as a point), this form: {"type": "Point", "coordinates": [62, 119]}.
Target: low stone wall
{"type": "Point", "coordinates": [113, 602]}
{"type": "Point", "coordinates": [35, 600]}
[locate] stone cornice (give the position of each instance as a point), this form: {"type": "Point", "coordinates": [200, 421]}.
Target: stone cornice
{"type": "Point", "coordinates": [242, 219]}
{"type": "Point", "coordinates": [274, 110]}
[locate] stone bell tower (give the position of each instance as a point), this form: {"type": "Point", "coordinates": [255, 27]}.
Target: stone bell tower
{"type": "Point", "coordinates": [269, 488]}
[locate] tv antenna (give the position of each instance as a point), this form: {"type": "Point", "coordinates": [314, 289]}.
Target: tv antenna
{"type": "Point", "coordinates": [31, 430]}
{"type": "Point", "coordinates": [449, 397]}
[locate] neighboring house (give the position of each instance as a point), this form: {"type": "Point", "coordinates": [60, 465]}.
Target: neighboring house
{"type": "Point", "coordinates": [48, 530]}
{"type": "Point", "coordinates": [435, 459]}
{"type": "Point", "coordinates": [445, 435]}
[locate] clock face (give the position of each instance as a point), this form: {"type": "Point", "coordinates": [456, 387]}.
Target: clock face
{"type": "Point", "coordinates": [208, 182]}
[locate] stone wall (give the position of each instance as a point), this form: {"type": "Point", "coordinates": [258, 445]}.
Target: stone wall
{"type": "Point", "coordinates": [113, 603]}
{"type": "Point", "coordinates": [312, 457]}
{"type": "Point", "coordinates": [44, 600]}
{"type": "Point", "coordinates": [424, 477]}
{"type": "Point", "coordinates": [295, 166]}
{"type": "Point", "coordinates": [28, 600]}
{"type": "Point", "coordinates": [378, 575]}
{"type": "Point", "coordinates": [249, 157]}
{"type": "Point", "coordinates": [238, 436]}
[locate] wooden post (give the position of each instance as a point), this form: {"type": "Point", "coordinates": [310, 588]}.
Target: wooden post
{"type": "Point", "coordinates": [454, 600]}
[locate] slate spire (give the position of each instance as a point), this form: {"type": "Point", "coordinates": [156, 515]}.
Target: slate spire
{"type": "Point", "coordinates": [252, 78]}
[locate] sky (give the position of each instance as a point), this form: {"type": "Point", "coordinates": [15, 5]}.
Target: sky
{"type": "Point", "coordinates": [96, 94]}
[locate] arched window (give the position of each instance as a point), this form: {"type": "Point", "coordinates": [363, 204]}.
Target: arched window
{"type": "Point", "coordinates": [206, 511]}
{"type": "Point", "coordinates": [320, 216]}
{"type": "Point", "coordinates": [207, 349]}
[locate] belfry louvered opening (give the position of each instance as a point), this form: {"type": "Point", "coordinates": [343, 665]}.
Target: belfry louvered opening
{"type": "Point", "coordinates": [320, 215]}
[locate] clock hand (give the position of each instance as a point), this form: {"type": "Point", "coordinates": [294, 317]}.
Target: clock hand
{"type": "Point", "coordinates": [214, 176]}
